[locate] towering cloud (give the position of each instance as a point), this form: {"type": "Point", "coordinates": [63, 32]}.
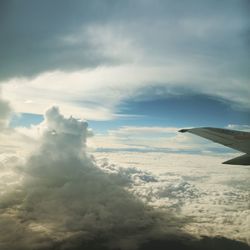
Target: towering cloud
{"type": "Point", "coordinates": [64, 200]}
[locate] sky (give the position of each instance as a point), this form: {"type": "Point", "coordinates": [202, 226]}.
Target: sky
{"type": "Point", "coordinates": [92, 95]}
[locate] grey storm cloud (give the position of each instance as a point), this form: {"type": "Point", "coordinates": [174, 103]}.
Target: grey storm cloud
{"type": "Point", "coordinates": [34, 33]}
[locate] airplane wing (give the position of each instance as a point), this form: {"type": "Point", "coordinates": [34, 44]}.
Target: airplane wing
{"type": "Point", "coordinates": [238, 140]}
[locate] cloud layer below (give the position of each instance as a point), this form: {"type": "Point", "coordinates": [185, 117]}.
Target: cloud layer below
{"type": "Point", "coordinates": [214, 198]}
{"type": "Point", "coordinates": [60, 197]}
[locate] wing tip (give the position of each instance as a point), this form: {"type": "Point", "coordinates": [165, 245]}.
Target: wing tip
{"type": "Point", "coordinates": [184, 130]}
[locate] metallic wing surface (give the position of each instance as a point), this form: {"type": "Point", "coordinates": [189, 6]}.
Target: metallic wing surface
{"type": "Point", "coordinates": [238, 140]}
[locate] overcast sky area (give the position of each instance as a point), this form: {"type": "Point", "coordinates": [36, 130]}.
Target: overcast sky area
{"type": "Point", "coordinates": [92, 95]}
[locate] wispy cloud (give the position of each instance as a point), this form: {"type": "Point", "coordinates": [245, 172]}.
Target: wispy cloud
{"type": "Point", "coordinates": [153, 139]}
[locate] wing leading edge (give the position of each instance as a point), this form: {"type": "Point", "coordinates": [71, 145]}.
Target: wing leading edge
{"type": "Point", "coordinates": [237, 140]}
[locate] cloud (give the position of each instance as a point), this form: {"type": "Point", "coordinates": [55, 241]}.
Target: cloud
{"type": "Point", "coordinates": [98, 93]}
{"type": "Point", "coordinates": [239, 127]}
{"type": "Point", "coordinates": [59, 197]}
{"type": "Point", "coordinates": [13, 142]}
{"type": "Point", "coordinates": [199, 188]}
{"type": "Point", "coordinates": [112, 52]}
{"type": "Point", "coordinates": [57, 36]}
{"type": "Point", "coordinates": [78, 36]}
{"type": "Point", "coordinates": [5, 112]}
{"type": "Point", "coordinates": [154, 139]}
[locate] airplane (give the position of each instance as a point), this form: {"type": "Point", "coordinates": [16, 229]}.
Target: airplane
{"type": "Point", "coordinates": [238, 140]}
